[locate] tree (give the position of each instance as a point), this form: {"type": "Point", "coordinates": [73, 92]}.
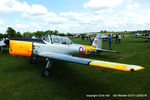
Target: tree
{"type": "Point", "coordinates": [39, 34]}
{"type": "Point", "coordinates": [69, 34]}
{"type": "Point", "coordinates": [48, 32]}
{"type": "Point", "coordinates": [1, 36]}
{"type": "Point", "coordinates": [5, 36]}
{"type": "Point", "coordinates": [103, 31]}
{"type": "Point", "coordinates": [27, 35]}
{"type": "Point", "coordinates": [61, 34]}
{"type": "Point", "coordinates": [18, 35]}
{"type": "Point", "coordinates": [11, 32]}
{"type": "Point", "coordinates": [56, 32]}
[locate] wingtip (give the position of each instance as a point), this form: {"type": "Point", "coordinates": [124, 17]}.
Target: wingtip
{"type": "Point", "coordinates": [141, 68]}
{"type": "Point", "coordinates": [134, 68]}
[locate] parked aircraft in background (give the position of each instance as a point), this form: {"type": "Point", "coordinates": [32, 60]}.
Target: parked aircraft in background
{"type": "Point", "coordinates": [105, 36]}
{"type": "Point", "coordinates": [2, 45]}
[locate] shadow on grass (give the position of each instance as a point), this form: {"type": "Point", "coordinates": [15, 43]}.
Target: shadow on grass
{"type": "Point", "coordinates": [78, 84]}
{"type": "Point", "coordinates": [65, 80]}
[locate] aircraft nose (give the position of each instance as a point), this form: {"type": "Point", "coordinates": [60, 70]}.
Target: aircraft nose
{"type": "Point", "coordinates": [6, 42]}
{"type": "Point", "coordinates": [134, 68]}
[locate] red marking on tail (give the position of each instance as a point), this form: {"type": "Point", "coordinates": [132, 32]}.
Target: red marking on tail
{"type": "Point", "coordinates": [95, 41]}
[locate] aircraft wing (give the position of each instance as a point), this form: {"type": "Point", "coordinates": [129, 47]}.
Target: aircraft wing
{"type": "Point", "coordinates": [91, 62]}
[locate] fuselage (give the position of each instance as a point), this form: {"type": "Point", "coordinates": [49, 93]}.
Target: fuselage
{"type": "Point", "coordinates": [55, 44]}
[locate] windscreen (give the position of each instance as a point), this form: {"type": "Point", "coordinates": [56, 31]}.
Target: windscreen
{"type": "Point", "coordinates": [47, 39]}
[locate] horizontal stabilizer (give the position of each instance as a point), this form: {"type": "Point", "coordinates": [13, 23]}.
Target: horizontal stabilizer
{"type": "Point", "coordinates": [103, 50]}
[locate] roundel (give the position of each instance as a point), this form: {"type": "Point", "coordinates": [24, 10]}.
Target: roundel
{"type": "Point", "coordinates": [81, 49]}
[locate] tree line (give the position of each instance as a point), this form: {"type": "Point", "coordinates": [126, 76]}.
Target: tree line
{"type": "Point", "coordinates": [12, 33]}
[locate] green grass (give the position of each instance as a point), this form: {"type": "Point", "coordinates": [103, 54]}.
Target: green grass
{"type": "Point", "coordinates": [20, 80]}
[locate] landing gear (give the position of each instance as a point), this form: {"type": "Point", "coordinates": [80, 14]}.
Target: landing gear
{"type": "Point", "coordinates": [46, 71]}
{"type": "Point", "coordinates": [33, 60]}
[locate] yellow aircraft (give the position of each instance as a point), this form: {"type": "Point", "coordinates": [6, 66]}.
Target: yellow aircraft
{"type": "Point", "coordinates": [62, 48]}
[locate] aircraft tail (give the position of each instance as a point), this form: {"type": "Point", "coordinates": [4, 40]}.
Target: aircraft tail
{"type": "Point", "coordinates": [97, 41]}
{"type": "Point", "coordinates": [98, 44]}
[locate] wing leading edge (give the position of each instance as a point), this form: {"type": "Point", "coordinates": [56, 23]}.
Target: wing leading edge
{"type": "Point", "coordinates": [91, 62]}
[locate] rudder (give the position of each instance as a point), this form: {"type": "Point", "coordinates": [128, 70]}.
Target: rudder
{"type": "Point", "coordinates": [97, 41]}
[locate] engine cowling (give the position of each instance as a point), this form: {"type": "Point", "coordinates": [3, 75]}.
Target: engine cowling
{"type": "Point", "coordinates": [20, 48]}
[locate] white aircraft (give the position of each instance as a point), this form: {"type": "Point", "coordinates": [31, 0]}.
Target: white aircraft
{"type": "Point", "coordinates": [62, 48]}
{"type": "Point", "coordinates": [2, 45]}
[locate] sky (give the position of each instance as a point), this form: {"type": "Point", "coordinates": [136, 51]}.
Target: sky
{"type": "Point", "coordinates": [74, 16]}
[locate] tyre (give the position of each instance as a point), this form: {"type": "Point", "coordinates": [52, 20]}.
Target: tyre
{"type": "Point", "coordinates": [46, 72]}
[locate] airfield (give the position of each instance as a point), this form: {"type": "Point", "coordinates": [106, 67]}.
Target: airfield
{"type": "Point", "coordinates": [20, 80]}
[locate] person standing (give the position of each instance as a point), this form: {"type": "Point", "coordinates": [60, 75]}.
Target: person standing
{"type": "Point", "coordinates": [116, 38]}
{"type": "Point", "coordinates": [110, 41]}
{"type": "Point", "coordinates": [83, 37]}
{"type": "Point", "coordinates": [119, 38]}
{"type": "Point", "coordinates": [91, 39]}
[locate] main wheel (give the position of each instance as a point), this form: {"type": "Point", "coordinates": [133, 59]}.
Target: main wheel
{"type": "Point", "coordinates": [46, 72]}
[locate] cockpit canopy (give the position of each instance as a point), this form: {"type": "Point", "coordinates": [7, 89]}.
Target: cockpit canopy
{"type": "Point", "coordinates": [57, 39]}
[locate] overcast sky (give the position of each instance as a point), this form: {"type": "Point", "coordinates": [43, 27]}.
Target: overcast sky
{"type": "Point", "coordinates": [74, 15]}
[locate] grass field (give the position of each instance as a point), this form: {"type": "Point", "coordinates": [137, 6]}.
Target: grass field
{"type": "Point", "coordinates": [20, 80]}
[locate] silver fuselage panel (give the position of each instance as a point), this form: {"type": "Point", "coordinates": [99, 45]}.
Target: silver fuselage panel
{"type": "Point", "coordinates": [56, 48]}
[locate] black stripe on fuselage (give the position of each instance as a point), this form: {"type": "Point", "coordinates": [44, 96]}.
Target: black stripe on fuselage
{"type": "Point", "coordinates": [29, 40]}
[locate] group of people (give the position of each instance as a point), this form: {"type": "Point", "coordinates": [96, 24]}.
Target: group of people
{"type": "Point", "coordinates": [118, 40]}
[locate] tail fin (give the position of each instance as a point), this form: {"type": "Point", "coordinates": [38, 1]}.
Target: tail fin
{"type": "Point", "coordinates": [98, 44]}
{"type": "Point", "coordinates": [97, 41]}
